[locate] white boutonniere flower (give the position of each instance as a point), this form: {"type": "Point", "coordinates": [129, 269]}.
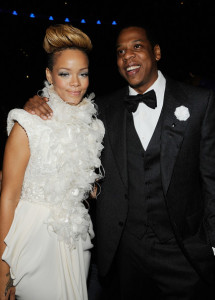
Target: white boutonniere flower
{"type": "Point", "coordinates": [182, 113]}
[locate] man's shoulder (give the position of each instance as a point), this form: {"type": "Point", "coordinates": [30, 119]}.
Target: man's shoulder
{"type": "Point", "coordinates": [191, 91]}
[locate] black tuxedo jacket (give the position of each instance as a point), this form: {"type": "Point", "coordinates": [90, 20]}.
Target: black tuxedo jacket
{"type": "Point", "coordinates": [187, 162]}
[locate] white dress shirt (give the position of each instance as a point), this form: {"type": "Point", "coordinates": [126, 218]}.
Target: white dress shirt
{"type": "Point", "coordinates": [146, 118]}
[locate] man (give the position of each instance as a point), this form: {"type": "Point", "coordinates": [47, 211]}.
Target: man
{"type": "Point", "coordinates": [156, 211]}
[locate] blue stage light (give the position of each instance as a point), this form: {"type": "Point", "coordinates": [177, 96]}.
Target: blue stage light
{"type": "Point", "coordinates": [14, 13]}
{"type": "Point", "coordinates": [114, 23]}
{"type": "Point", "coordinates": [83, 21]}
{"type": "Point", "coordinates": [32, 15]}
{"type": "Point", "coordinates": [67, 20]}
{"type": "Point", "coordinates": [98, 22]}
{"type": "Point", "coordinates": [51, 18]}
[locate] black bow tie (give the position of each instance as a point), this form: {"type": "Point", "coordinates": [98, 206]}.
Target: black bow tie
{"type": "Point", "coordinates": [148, 98]}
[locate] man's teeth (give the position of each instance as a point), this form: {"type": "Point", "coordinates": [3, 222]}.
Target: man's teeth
{"type": "Point", "coordinates": [132, 68]}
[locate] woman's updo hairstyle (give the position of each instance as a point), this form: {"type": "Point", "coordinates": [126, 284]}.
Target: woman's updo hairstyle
{"type": "Point", "coordinates": [64, 36]}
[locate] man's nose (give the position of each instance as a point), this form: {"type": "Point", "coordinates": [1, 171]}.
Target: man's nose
{"type": "Point", "coordinates": [128, 54]}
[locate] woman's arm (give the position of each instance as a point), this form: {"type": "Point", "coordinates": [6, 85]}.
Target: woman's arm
{"type": "Point", "coordinates": [15, 161]}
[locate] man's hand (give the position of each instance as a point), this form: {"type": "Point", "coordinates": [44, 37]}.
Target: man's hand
{"type": "Point", "coordinates": [38, 106]}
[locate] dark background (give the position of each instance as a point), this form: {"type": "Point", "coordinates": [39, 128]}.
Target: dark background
{"type": "Point", "coordinates": [186, 30]}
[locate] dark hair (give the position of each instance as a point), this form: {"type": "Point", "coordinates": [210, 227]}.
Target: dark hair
{"type": "Point", "coordinates": [152, 34]}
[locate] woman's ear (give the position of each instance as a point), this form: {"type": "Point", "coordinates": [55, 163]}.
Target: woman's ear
{"type": "Point", "coordinates": [48, 75]}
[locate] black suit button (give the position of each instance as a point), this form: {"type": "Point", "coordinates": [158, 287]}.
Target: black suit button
{"type": "Point", "coordinates": [121, 223]}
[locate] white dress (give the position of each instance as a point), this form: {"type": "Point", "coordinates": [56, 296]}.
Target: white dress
{"type": "Point", "coordinates": [47, 247]}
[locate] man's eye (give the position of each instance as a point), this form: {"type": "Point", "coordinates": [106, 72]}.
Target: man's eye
{"type": "Point", "coordinates": [137, 46]}
{"type": "Point", "coordinates": [119, 52]}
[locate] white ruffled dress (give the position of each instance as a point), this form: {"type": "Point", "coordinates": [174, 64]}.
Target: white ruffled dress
{"type": "Point", "coordinates": [48, 244]}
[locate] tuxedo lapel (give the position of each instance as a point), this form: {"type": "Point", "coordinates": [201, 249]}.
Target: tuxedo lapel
{"type": "Point", "coordinates": [172, 132]}
{"type": "Point", "coordinates": [116, 124]}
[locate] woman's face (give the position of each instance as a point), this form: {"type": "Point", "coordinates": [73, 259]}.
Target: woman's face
{"type": "Point", "coordinates": [69, 75]}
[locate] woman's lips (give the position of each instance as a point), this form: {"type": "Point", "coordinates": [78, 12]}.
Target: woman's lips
{"type": "Point", "coordinates": [74, 93]}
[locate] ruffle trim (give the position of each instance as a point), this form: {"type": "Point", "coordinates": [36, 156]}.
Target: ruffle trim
{"type": "Point", "coordinates": [70, 161]}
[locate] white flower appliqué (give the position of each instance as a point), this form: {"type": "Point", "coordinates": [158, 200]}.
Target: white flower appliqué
{"type": "Point", "coordinates": [182, 113]}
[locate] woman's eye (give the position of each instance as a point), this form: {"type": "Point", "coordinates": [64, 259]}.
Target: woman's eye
{"type": "Point", "coordinates": [86, 74]}
{"type": "Point", "coordinates": [63, 74]}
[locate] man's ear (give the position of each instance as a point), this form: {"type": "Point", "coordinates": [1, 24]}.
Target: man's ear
{"type": "Point", "coordinates": [157, 52]}
{"type": "Point", "coordinates": [48, 75]}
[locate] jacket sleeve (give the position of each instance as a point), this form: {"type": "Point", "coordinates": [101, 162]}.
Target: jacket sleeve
{"type": "Point", "coordinates": [207, 165]}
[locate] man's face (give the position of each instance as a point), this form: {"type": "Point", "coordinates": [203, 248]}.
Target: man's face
{"type": "Point", "coordinates": [136, 60]}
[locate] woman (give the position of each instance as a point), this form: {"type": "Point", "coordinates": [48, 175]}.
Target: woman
{"type": "Point", "coordinates": [49, 169]}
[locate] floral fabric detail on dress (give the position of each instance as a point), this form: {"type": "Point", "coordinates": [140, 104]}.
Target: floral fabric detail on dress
{"type": "Point", "coordinates": [65, 153]}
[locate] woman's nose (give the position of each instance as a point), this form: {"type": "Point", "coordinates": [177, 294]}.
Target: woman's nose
{"type": "Point", "coordinates": [75, 81]}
